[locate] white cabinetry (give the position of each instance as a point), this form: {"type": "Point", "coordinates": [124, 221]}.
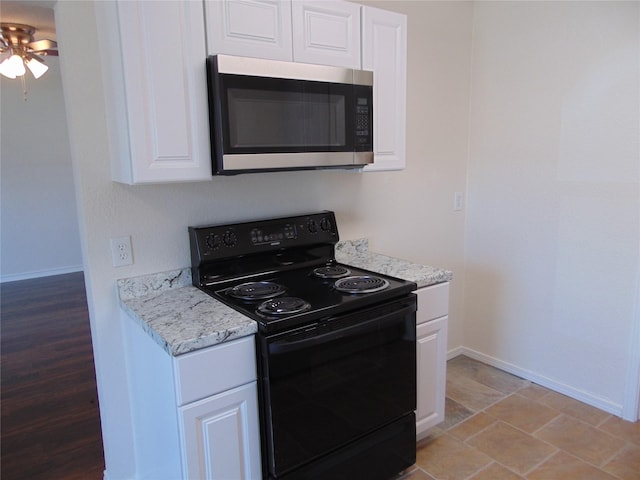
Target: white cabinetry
{"type": "Point", "coordinates": [155, 85]}
{"type": "Point", "coordinates": [195, 416]}
{"type": "Point", "coordinates": [250, 28]}
{"type": "Point", "coordinates": [321, 32]}
{"type": "Point", "coordinates": [384, 51]}
{"type": "Point", "coordinates": [218, 444]}
{"type": "Point", "coordinates": [153, 56]}
{"type": "Point", "coordinates": [431, 332]}
{"type": "Point", "coordinates": [326, 33]}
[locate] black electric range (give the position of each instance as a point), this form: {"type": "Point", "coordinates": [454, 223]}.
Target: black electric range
{"type": "Point", "coordinates": [282, 272]}
{"type": "Point", "coordinates": [335, 347]}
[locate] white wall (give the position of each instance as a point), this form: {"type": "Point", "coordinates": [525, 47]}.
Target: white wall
{"type": "Point", "coordinates": [552, 239]}
{"type": "Point", "coordinates": [407, 214]}
{"type": "Point", "coordinates": [39, 222]}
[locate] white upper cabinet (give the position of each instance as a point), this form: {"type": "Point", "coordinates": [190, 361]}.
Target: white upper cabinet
{"type": "Point", "coordinates": [384, 51]}
{"type": "Point", "coordinates": [254, 28]}
{"type": "Point", "coordinates": [153, 56]}
{"type": "Point", "coordinates": [327, 33]}
{"type": "Point", "coordinates": [155, 83]}
{"type": "Point", "coordinates": [321, 32]}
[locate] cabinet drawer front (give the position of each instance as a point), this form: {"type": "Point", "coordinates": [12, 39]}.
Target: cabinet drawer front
{"type": "Point", "coordinates": [215, 369]}
{"type": "Point", "coordinates": [433, 302]}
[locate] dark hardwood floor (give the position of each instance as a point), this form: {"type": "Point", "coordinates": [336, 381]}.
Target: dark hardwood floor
{"type": "Point", "coordinates": [50, 421]}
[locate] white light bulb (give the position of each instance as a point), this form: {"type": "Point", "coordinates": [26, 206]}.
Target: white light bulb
{"type": "Point", "coordinates": [37, 68]}
{"type": "Point", "coordinates": [5, 69]}
{"type": "Point", "coordinates": [14, 66]}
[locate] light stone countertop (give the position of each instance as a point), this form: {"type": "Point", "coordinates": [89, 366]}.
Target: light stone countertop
{"type": "Point", "coordinates": [357, 254]}
{"type": "Point", "coordinates": [178, 316]}
{"type": "Point", "coordinates": [182, 318]}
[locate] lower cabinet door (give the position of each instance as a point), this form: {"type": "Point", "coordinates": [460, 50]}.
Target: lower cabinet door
{"type": "Point", "coordinates": [431, 372]}
{"type": "Point", "coordinates": [220, 436]}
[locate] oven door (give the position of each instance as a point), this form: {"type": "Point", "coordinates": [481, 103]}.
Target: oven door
{"type": "Point", "coordinates": [328, 385]}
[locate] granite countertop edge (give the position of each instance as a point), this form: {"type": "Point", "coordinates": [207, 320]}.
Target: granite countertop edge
{"type": "Point", "coordinates": [181, 318]}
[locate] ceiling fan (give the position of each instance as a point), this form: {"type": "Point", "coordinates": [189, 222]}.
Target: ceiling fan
{"type": "Point", "coordinates": [18, 49]}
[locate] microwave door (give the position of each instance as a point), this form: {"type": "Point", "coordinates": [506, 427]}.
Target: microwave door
{"type": "Point", "coordinates": [285, 116]}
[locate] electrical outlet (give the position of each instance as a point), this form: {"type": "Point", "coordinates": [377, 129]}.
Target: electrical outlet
{"type": "Point", "coordinates": [121, 253]}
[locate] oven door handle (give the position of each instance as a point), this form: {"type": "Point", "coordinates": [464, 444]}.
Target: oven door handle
{"type": "Point", "coordinates": [285, 346]}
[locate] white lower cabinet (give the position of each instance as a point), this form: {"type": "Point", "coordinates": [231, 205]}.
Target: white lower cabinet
{"type": "Point", "coordinates": [220, 441]}
{"type": "Point", "coordinates": [431, 353]}
{"type": "Point", "coordinates": [195, 416]}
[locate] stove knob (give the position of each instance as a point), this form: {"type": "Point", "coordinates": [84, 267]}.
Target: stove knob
{"type": "Point", "coordinates": [229, 238]}
{"type": "Point", "coordinates": [325, 225]}
{"type": "Point", "coordinates": [312, 226]}
{"type": "Point", "coordinates": [213, 241]}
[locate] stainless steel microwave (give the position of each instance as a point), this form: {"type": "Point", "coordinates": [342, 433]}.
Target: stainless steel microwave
{"type": "Point", "coordinates": [268, 115]}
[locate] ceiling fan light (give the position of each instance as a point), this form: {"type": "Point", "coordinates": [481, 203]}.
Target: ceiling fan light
{"type": "Point", "coordinates": [13, 67]}
{"type": "Point", "coordinates": [5, 69]}
{"type": "Point", "coordinates": [37, 68]}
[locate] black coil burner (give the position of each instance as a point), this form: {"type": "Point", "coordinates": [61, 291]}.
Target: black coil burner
{"type": "Point", "coordinates": [361, 284]}
{"type": "Point", "coordinates": [332, 271]}
{"type": "Point", "coordinates": [257, 290]}
{"type": "Point", "coordinates": [283, 306]}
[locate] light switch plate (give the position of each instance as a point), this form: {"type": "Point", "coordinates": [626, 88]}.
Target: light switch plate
{"type": "Point", "coordinates": [458, 201]}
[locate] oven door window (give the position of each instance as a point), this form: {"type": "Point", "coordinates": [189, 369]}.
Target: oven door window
{"type": "Point", "coordinates": [331, 384]}
{"type": "Point", "coordinates": [268, 115]}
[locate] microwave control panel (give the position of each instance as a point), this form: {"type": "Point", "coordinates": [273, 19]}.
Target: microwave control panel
{"type": "Point", "coordinates": [363, 119]}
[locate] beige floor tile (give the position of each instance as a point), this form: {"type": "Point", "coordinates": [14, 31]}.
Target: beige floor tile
{"type": "Point", "coordinates": [413, 473]}
{"type": "Point", "coordinates": [626, 465]}
{"type": "Point", "coordinates": [471, 426]}
{"type": "Point", "coordinates": [495, 472]}
{"type": "Point", "coordinates": [489, 376]}
{"type": "Point", "coordinates": [620, 428]}
{"type": "Point", "coordinates": [472, 394]}
{"type": "Point", "coordinates": [511, 447]}
{"type": "Point", "coordinates": [563, 466]}
{"type": "Point", "coordinates": [533, 391]}
{"type": "Point", "coordinates": [447, 458]}
{"type": "Point", "coordinates": [430, 436]}
{"type": "Point", "coordinates": [580, 439]}
{"type": "Point", "coordinates": [454, 413]}
{"type": "Point", "coordinates": [575, 408]}
{"type": "Point", "coordinates": [525, 414]}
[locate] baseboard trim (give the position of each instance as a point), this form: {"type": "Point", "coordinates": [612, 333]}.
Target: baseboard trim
{"type": "Point", "coordinates": [594, 401]}
{"type": "Point", "coordinates": [12, 277]}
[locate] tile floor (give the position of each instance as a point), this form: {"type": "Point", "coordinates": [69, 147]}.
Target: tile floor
{"type": "Point", "coordinates": [501, 427]}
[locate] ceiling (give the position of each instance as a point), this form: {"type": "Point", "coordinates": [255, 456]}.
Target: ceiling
{"type": "Point", "coordinates": [37, 13]}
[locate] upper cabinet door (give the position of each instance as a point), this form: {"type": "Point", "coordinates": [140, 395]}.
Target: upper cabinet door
{"type": "Point", "coordinates": [249, 28]}
{"type": "Point", "coordinates": [157, 70]}
{"type": "Point", "coordinates": [326, 33]}
{"type": "Point", "coordinates": [384, 50]}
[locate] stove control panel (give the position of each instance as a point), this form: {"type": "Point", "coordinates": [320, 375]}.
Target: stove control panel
{"type": "Point", "coordinates": [218, 242]}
